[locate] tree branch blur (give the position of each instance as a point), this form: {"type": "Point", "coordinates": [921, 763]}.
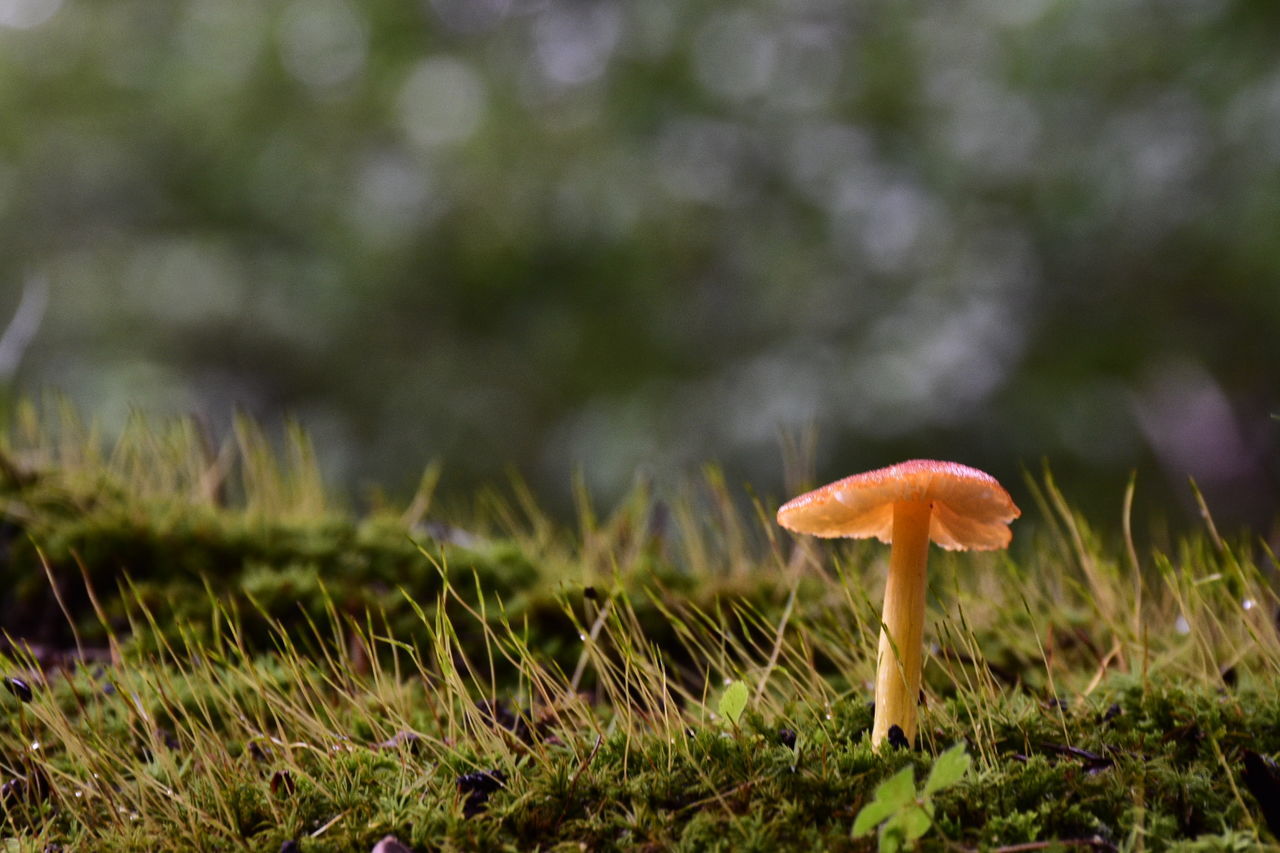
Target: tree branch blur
{"type": "Point", "coordinates": [23, 327]}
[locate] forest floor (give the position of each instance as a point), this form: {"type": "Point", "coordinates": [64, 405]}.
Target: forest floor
{"type": "Point", "coordinates": [203, 651]}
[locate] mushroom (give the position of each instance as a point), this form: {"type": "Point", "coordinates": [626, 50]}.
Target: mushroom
{"type": "Point", "coordinates": [907, 504]}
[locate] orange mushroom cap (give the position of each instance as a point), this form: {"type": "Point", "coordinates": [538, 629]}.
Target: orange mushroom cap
{"type": "Point", "coordinates": [971, 511]}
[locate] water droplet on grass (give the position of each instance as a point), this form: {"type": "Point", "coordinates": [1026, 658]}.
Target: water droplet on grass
{"type": "Point", "coordinates": [19, 688]}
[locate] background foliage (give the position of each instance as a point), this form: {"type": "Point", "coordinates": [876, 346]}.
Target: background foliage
{"type": "Point", "coordinates": [631, 236]}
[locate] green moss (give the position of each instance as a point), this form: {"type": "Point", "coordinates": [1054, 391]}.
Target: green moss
{"type": "Point", "coordinates": [378, 670]}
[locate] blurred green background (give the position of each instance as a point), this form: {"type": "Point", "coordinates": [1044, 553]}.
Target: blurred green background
{"type": "Point", "coordinates": [629, 237]}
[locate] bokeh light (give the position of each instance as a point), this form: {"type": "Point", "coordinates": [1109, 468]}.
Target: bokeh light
{"type": "Point", "coordinates": [548, 235]}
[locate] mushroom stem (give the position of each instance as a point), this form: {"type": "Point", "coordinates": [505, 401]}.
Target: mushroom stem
{"type": "Point", "coordinates": [898, 674]}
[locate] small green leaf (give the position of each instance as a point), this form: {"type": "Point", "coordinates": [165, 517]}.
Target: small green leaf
{"type": "Point", "coordinates": [947, 770]}
{"type": "Point", "coordinates": [734, 702]}
{"type": "Point", "coordinates": [915, 822]}
{"type": "Point", "coordinates": [898, 790]}
{"type": "Point", "coordinates": [890, 838]}
{"type": "Point", "coordinates": [872, 814]}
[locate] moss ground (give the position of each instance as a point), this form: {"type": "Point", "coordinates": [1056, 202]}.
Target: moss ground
{"type": "Point", "coordinates": [204, 652]}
